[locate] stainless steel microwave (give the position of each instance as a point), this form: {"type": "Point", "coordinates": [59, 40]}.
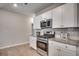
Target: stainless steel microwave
{"type": "Point", "coordinates": [49, 23]}
{"type": "Point", "coordinates": [46, 24]}
{"type": "Point", "coordinates": [43, 24]}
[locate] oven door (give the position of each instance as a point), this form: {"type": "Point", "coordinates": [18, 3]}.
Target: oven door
{"type": "Point", "coordinates": [42, 48]}
{"type": "Point", "coordinates": [42, 45]}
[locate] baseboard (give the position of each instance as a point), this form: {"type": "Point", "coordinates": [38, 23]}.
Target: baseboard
{"type": "Point", "coordinates": [13, 45]}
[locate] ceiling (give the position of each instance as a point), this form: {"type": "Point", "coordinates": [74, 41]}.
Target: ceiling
{"type": "Point", "coordinates": [29, 9]}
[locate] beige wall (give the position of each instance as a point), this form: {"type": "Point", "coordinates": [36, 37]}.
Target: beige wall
{"type": "Point", "coordinates": [14, 28]}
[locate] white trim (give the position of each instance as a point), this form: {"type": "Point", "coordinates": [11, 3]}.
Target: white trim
{"type": "Point", "coordinates": [13, 45]}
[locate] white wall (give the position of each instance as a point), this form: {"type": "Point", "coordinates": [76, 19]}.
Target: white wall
{"type": "Point", "coordinates": [14, 28]}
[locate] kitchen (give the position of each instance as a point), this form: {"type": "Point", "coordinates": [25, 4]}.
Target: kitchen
{"type": "Point", "coordinates": [56, 31]}
{"type": "Point", "coordinates": [39, 29]}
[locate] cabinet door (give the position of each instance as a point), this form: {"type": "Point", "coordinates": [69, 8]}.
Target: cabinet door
{"type": "Point", "coordinates": [57, 17]}
{"type": "Point", "coordinates": [60, 49]}
{"type": "Point", "coordinates": [31, 39]}
{"type": "Point", "coordinates": [78, 14]}
{"type": "Point", "coordinates": [50, 48]}
{"type": "Point", "coordinates": [57, 51]}
{"type": "Point", "coordinates": [37, 22]}
{"type": "Point", "coordinates": [67, 52]}
{"type": "Point", "coordinates": [54, 49]}
{"type": "Point", "coordinates": [47, 15]}
{"type": "Point", "coordinates": [33, 42]}
{"type": "Point", "coordinates": [69, 15]}
{"type": "Point", "coordinates": [44, 16]}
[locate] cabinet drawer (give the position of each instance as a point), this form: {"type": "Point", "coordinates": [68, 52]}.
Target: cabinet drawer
{"type": "Point", "coordinates": [70, 47]}
{"type": "Point", "coordinates": [62, 45]}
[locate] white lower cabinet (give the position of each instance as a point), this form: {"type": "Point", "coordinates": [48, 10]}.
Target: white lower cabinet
{"type": "Point", "coordinates": [67, 52]}
{"type": "Point", "coordinates": [33, 41]}
{"type": "Point", "coordinates": [61, 49]}
{"type": "Point", "coordinates": [50, 48]}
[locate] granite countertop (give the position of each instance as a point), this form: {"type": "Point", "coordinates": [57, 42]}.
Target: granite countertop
{"type": "Point", "coordinates": [68, 41]}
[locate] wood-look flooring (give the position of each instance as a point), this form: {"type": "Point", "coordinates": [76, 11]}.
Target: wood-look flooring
{"type": "Point", "coordinates": [21, 50]}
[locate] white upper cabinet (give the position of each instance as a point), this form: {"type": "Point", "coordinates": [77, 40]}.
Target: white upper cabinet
{"type": "Point", "coordinates": [65, 16]}
{"type": "Point", "coordinates": [57, 17]}
{"type": "Point", "coordinates": [70, 15]}
{"type": "Point", "coordinates": [47, 15]}
{"type": "Point", "coordinates": [36, 23]}
{"type": "Point", "coordinates": [44, 16]}
{"type": "Point", "coordinates": [77, 13]}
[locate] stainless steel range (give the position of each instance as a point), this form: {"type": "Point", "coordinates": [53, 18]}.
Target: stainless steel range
{"type": "Point", "coordinates": [42, 46]}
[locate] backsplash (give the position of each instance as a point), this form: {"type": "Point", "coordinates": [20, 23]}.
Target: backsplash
{"type": "Point", "coordinates": [73, 32]}
{"type": "Point", "coordinates": [35, 30]}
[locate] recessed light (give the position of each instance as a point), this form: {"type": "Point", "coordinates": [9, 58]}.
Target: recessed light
{"type": "Point", "coordinates": [15, 5]}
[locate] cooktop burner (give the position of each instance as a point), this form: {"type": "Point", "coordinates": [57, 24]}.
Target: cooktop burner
{"type": "Point", "coordinates": [46, 36]}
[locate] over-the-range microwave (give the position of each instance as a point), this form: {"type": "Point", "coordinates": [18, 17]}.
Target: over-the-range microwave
{"type": "Point", "coordinates": [46, 23]}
